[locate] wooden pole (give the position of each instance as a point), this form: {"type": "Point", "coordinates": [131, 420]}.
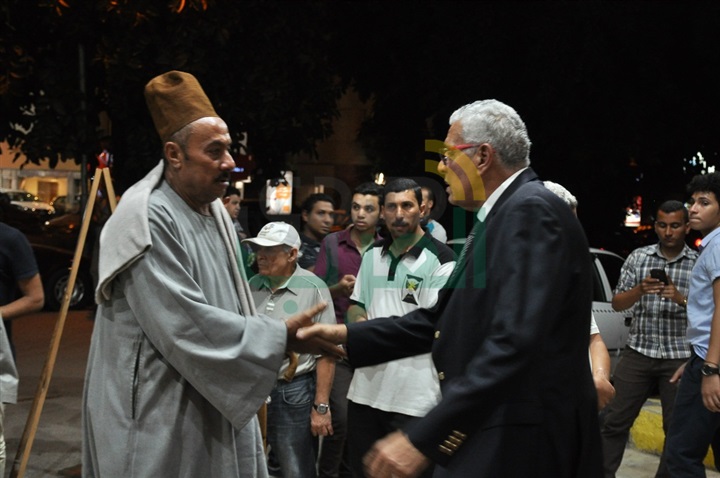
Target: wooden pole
{"type": "Point", "coordinates": [28, 436]}
{"type": "Point", "coordinates": [112, 200]}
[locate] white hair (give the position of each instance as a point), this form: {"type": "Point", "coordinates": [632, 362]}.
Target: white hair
{"type": "Point", "coordinates": [562, 193]}
{"type": "Point", "coordinates": [494, 122]}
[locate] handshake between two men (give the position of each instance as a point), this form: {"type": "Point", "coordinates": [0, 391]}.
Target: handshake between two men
{"type": "Point", "coordinates": [304, 336]}
{"type": "Point", "coordinates": [393, 456]}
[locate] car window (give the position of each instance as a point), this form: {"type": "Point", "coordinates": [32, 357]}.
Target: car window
{"type": "Point", "coordinates": [20, 196]}
{"type": "Point", "coordinates": [612, 266]}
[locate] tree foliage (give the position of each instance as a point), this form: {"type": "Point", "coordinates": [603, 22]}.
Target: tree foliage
{"type": "Point", "coordinates": [263, 64]}
{"type": "Point", "coordinates": [600, 85]}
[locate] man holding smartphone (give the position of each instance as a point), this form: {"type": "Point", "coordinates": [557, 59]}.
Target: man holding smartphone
{"type": "Point", "coordinates": [654, 284]}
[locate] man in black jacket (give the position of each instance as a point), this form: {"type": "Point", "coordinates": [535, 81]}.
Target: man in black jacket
{"type": "Point", "coordinates": [509, 332]}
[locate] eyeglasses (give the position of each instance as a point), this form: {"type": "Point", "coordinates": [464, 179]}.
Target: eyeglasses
{"type": "Point", "coordinates": [458, 147]}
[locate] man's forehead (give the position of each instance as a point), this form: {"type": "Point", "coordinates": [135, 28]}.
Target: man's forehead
{"type": "Point", "coordinates": [454, 135]}
{"type": "Point", "coordinates": [401, 196]}
{"type": "Point", "coordinates": [210, 130]}
{"type": "Point", "coordinates": [704, 194]}
{"type": "Point", "coordinates": [365, 198]}
{"type": "Point", "coordinates": [322, 206]}
{"type": "Point", "coordinates": [675, 216]}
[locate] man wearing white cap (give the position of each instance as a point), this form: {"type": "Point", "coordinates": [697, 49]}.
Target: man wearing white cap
{"type": "Point", "coordinates": [180, 361]}
{"type": "Point", "coordinates": [298, 408]}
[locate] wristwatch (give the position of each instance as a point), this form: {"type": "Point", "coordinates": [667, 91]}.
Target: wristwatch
{"type": "Point", "coordinates": [708, 370]}
{"type": "Point", "coordinates": [321, 408]}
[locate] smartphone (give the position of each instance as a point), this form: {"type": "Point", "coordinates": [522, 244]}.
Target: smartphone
{"type": "Point", "coordinates": [659, 274]}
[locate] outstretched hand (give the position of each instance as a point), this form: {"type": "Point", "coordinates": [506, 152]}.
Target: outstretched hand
{"type": "Point", "coordinates": [313, 345]}
{"type": "Point", "coordinates": [335, 334]}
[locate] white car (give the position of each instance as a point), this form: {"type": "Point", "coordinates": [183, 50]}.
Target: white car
{"type": "Point", "coordinates": [614, 326]}
{"type": "Point", "coordinates": [25, 201]}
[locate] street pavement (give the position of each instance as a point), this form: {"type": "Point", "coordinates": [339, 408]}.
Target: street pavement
{"type": "Point", "coordinates": [56, 448]}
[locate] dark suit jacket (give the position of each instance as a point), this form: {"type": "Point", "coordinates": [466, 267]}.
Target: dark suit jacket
{"type": "Point", "coordinates": [509, 338]}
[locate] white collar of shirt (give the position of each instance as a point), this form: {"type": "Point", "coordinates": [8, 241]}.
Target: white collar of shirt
{"type": "Point", "coordinates": [492, 199]}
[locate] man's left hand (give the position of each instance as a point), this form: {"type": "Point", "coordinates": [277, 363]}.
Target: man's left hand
{"type": "Point", "coordinates": [394, 457]}
{"type": "Point", "coordinates": [605, 391]}
{"type": "Point", "coordinates": [711, 393]}
{"type": "Point", "coordinates": [670, 291]}
{"type": "Point", "coordinates": [321, 425]}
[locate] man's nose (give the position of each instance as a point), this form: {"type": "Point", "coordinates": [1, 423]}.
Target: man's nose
{"type": "Point", "coordinates": [442, 169]}
{"type": "Point", "coordinates": [228, 162]}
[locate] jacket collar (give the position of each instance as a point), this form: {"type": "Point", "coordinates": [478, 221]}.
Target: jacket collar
{"type": "Point", "coordinates": [526, 176]}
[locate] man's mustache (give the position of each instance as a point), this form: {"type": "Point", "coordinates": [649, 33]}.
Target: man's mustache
{"type": "Point", "coordinates": [399, 223]}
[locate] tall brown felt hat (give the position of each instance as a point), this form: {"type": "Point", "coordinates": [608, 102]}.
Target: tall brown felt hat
{"type": "Point", "coordinates": [176, 99]}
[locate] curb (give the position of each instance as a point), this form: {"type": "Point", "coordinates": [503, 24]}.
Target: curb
{"type": "Point", "coordinates": [647, 433]}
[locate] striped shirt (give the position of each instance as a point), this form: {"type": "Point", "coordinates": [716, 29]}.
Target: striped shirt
{"type": "Point", "coordinates": [659, 325]}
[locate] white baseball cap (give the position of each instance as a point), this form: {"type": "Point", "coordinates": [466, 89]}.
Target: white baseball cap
{"type": "Point", "coordinates": [276, 234]}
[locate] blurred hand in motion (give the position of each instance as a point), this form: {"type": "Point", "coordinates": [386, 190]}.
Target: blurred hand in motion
{"type": "Point", "coordinates": [394, 456]}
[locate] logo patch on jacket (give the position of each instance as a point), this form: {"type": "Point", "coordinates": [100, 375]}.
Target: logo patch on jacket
{"type": "Point", "coordinates": [411, 289]}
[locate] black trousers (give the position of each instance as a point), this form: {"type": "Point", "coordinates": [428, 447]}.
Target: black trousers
{"type": "Point", "coordinates": [367, 426]}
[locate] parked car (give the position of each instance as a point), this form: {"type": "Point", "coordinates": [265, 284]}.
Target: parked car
{"type": "Point", "coordinates": [28, 202]}
{"type": "Point", "coordinates": [29, 223]}
{"type": "Point", "coordinates": [62, 231]}
{"type": "Point", "coordinates": [54, 264]}
{"type": "Point", "coordinates": [62, 205]}
{"type": "Point", "coordinates": [614, 326]}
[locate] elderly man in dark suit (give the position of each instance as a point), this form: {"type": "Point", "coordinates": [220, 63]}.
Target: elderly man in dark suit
{"type": "Point", "coordinates": [509, 332]}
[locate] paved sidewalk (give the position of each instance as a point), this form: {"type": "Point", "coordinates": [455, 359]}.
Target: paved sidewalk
{"type": "Point", "coordinates": [56, 449]}
{"type": "Point", "coordinates": [647, 435]}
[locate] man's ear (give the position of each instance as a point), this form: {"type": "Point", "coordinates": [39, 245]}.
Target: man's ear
{"type": "Point", "coordinates": [173, 154]}
{"type": "Point", "coordinates": [293, 255]}
{"type": "Point", "coordinates": [484, 157]}
{"type": "Point", "coordinates": [424, 210]}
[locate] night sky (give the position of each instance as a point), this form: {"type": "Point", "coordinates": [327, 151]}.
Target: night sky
{"type": "Point", "coordinates": [614, 95]}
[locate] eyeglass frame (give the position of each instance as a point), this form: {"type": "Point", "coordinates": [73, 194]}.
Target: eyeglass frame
{"type": "Point", "coordinates": [457, 147]}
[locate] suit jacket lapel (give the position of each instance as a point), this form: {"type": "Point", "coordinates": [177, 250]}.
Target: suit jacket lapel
{"type": "Point", "coordinates": [466, 273]}
{"type": "Point", "coordinates": [469, 268]}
